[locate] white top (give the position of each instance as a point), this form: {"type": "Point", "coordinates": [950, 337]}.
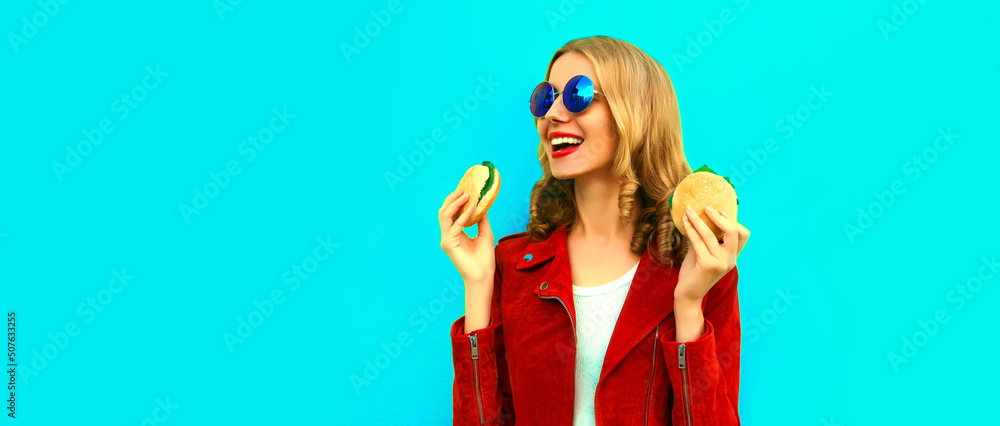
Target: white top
{"type": "Point", "coordinates": [597, 310]}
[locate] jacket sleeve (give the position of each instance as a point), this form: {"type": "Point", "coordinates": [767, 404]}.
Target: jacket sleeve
{"type": "Point", "coordinates": [482, 391]}
{"type": "Point", "coordinates": [705, 373]}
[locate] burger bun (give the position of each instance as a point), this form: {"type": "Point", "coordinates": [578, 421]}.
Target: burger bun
{"type": "Point", "coordinates": [700, 190]}
{"type": "Point", "coordinates": [472, 185]}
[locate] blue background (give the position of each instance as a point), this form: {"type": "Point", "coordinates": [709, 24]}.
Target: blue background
{"type": "Point", "coordinates": [825, 359]}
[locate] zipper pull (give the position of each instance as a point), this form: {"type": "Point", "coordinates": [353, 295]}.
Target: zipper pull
{"type": "Point", "coordinates": [475, 346]}
{"type": "Point", "coordinates": [681, 358]}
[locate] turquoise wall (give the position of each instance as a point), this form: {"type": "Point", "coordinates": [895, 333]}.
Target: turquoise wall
{"type": "Point", "coordinates": [225, 212]}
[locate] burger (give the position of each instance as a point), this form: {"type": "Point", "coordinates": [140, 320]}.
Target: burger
{"type": "Point", "coordinates": [481, 183]}
{"type": "Point", "coordinates": [700, 189]}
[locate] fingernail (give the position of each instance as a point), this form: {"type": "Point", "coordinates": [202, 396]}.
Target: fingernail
{"type": "Point", "coordinates": [710, 209]}
{"type": "Point", "coordinates": [690, 209]}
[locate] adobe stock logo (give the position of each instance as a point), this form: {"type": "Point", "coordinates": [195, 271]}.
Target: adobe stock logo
{"type": "Point", "coordinates": [899, 17]}
{"type": "Point", "coordinates": [123, 105]}
{"type": "Point", "coordinates": [87, 310]}
{"type": "Point", "coordinates": [565, 8]}
{"type": "Point", "coordinates": [225, 6]}
{"type": "Point", "coordinates": [705, 38]}
{"type": "Point", "coordinates": [220, 180]}
{"type": "Point", "coordinates": [915, 166]}
{"type": "Point", "coordinates": [30, 27]}
{"type": "Point", "coordinates": [759, 323]}
{"type": "Point", "coordinates": [927, 329]}
{"type": "Point", "coordinates": [457, 114]}
{"type": "Point", "coordinates": [372, 28]}
{"type": "Point", "coordinates": [161, 412]}
{"type": "Point", "coordinates": [786, 125]}
{"type": "Point", "coordinates": [428, 313]}
{"type": "Point", "coordinates": [293, 276]}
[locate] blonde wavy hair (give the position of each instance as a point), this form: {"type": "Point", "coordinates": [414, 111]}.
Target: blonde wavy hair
{"type": "Point", "coordinates": [649, 161]}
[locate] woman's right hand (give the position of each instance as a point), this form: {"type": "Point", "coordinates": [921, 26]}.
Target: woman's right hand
{"type": "Point", "coordinates": [473, 257]}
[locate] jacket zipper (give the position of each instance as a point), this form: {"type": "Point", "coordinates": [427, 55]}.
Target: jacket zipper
{"type": "Point", "coordinates": [576, 353]}
{"type": "Point", "coordinates": [474, 340]}
{"type": "Point", "coordinates": [682, 363]}
{"type": "Point", "coordinates": [649, 389]}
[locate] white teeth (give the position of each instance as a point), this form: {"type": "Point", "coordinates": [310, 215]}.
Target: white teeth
{"type": "Point", "coordinates": [565, 140]}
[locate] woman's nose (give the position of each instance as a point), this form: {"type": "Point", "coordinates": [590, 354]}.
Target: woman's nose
{"type": "Point", "coordinates": [558, 112]}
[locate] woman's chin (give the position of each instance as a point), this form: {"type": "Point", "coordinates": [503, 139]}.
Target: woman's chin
{"type": "Point", "coordinates": [562, 173]}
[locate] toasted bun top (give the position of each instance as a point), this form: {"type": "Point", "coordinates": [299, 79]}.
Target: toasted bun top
{"type": "Point", "coordinates": [701, 189]}
{"type": "Point", "coordinates": [473, 181]}
{"type": "Point", "coordinates": [472, 184]}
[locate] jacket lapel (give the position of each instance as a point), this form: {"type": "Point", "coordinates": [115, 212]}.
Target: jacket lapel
{"type": "Point", "coordinates": [555, 280]}
{"type": "Point", "coordinates": [649, 301]}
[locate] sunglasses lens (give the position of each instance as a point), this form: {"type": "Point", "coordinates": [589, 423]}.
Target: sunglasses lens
{"type": "Point", "coordinates": [541, 99]}
{"type": "Point", "coordinates": [578, 94]}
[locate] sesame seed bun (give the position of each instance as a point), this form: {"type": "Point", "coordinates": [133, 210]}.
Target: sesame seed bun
{"type": "Point", "coordinates": [701, 189]}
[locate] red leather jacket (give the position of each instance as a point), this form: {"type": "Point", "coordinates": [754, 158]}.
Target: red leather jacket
{"type": "Point", "coordinates": [522, 366]}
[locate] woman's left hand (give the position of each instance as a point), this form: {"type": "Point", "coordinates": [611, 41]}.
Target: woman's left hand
{"type": "Point", "coordinates": [707, 261]}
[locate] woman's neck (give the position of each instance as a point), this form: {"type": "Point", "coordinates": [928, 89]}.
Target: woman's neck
{"type": "Point", "coordinates": [597, 211]}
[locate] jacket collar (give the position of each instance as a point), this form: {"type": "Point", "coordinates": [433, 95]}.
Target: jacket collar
{"type": "Point", "coordinates": [538, 252]}
{"type": "Point", "coordinates": [649, 301]}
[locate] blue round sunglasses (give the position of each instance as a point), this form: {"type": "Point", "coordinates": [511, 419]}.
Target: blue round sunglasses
{"type": "Point", "coordinates": [581, 93]}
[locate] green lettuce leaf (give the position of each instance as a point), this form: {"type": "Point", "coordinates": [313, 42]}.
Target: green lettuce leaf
{"type": "Point", "coordinates": [489, 180]}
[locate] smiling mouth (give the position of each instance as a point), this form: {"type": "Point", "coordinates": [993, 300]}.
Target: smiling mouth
{"type": "Point", "coordinates": [561, 143]}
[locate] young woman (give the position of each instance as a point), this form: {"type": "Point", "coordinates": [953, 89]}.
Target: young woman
{"type": "Point", "coordinates": [601, 312]}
